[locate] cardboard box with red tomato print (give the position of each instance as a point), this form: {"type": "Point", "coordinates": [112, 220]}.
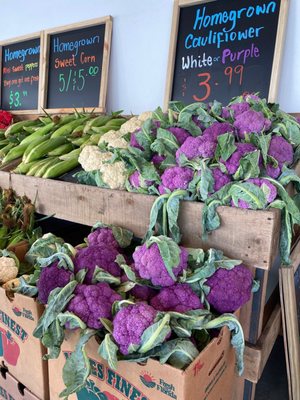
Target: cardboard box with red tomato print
{"type": "Point", "coordinates": [20, 352]}
{"type": "Point", "coordinates": [209, 377]}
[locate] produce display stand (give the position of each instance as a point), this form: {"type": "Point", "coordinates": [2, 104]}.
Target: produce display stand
{"type": "Point", "coordinates": [252, 236]}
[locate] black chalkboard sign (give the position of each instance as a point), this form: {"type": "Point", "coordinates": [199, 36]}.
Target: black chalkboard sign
{"type": "Point", "coordinates": [222, 49]}
{"type": "Point", "coordinates": [77, 66]}
{"type": "Point", "coordinates": [20, 75]}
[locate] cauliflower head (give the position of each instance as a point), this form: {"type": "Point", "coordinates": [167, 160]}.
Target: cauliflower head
{"type": "Point", "coordinates": [145, 115]}
{"type": "Point", "coordinates": [229, 289]}
{"type": "Point", "coordinates": [92, 302]}
{"type": "Point", "coordinates": [113, 175]}
{"type": "Point", "coordinates": [97, 255]}
{"type": "Point", "coordinates": [251, 122]}
{"type": "Point", "coordinates": [130, 323]}
{"type": "Point", "coordinates": [50, 278]}
{"type": "Point", "coordinates": [179, 298]}
{"type": "Point", "coordinates": [233, 162]}
{"type": "Point", "coordinates": [8, 269]}
{"type": "Point", "coordinates": [114, 139]}
{"type": "Point", "coordinates": [103, 236]}
{"type": "Point", "coordinates": [131, 125]}
{"type": "Point", "coordinates": [175, 178]}
{"type": "Point", "coordinates": [149, 264]}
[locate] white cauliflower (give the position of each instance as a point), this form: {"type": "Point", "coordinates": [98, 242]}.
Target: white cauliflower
{"type": "Point", "coordinates": [113, 175]}
{"type": "Point", "coordinates": [114, 139]}
{"type": "Point", "coordinates": [131, 125]}
{"type": "Point", "coordinates": [9, 269]}
{"type": "Point", "coordinates": [145, 115]}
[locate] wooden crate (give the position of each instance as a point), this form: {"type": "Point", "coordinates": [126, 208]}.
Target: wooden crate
{"type": "Point", "coordinates": [244, 234]}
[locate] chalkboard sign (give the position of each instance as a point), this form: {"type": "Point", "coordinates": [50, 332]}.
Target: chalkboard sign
{"type": "Point", "coordinates": [221, 49]}
{"type": "Point", "coordinates": [78, 65]}
{"type": "Point", "coordinates": [20, 74]}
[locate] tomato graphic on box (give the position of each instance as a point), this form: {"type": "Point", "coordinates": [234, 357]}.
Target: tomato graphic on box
{"type": "Point", "coordinates": [92, 392]}
{"type": "Point", "coordinates": [11, 349]}
{"type": "Point", "coordinates": [17, 311]}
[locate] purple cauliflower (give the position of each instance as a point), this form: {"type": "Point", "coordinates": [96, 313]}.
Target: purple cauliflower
{"type": "Point", "coordinates": [203, 146]}
{"type": "Point", "coordinates": [229, 289]}
{"type": "Point", "coordinates": [221, 179]}
{"type": "Point", "coordinates": [158, 159]}
{"type": "Point", "coordinates": [217, 129]}
{"type": "Point", "coordinates": [271, 196]}
{"type": "Point", "coordinates": [51, 277]}
{"type": "Point", "coordinates": [175, 178]}
{"type": "Point", "coordinates": [180, 134]}
{"type": "Point", "coordinates": [233, 162]}
{"type": "Point", "coordinates": [251, 122]}
{"type": "Point", "coordinates": [179, 298]}
{"type": "Point", "coordinates": [102, 236]}
{"type": "Point", "coordinates": [250, 96]}
{"type": "Point", "coordinates": [143, 293]}
{"type": "Point", "coordinates": [133, 140]}
{"type": "Point", "coordinates": [137, 181]}
{"type": "Point", "coordinates": [92, 302]}
{"type": "Point", "coordinates": [150, 265]}
{"type": "Point", "coordinates": [96, 255]}
{"type": "Point", "coordinates": [130, 323]}
{"type": "Point", "coordinates": [237, 108]}
{"type": "Point", "coordinates": [283, 153]}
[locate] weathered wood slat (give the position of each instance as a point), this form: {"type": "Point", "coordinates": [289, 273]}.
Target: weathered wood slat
{"type": "Point", "coordinates": [248, 235]}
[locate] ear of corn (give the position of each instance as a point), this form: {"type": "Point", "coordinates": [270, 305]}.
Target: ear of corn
{"type": "Point", "coordinates": [68, 128]}
{"type": "Point", "coordinates": [38, 133]}
{"type": "Point", "coordinates": [18, 126]}
{"type": "Point", "coordinates": [43, 148]}
{"type": "Point", "coordinates": [98, 121]}
{"type": "Point", "coordinates": [23, 168]}
{"type": "Point", "coordinates": [33, 144]}
{"type": "Point", "coordinates": [60, 150]}
{"type": "Point", "coordinates": [71, 154]}
{"type": "Point", "coordinates": [61, 168]}
{"type": "Point", "coordinates": [6, 149]}
{"type": "Point", "coordinates": [36, 165]}
{"type": "Point", "coordinates": [49, 162]}
{"type": "Point", "coordinates": [14, 153]}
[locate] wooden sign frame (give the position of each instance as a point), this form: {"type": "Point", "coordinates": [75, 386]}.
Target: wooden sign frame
{"type": "Point", "coordinates": [278, 51]}
{"type": "Point", "coordinates": [107, 20]}
{"type": "Point", "coordinates": [290, 322]}
{"type": "Point", "coordinates": [24, 38]}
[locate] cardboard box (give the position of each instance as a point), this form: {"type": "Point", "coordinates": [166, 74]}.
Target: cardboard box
{"type": "Point", "coordinates": [209, 377]}
{"type": "Point", "coordinates": [11, 389]}
{"type": "Point", "coordinates": [20, 352]}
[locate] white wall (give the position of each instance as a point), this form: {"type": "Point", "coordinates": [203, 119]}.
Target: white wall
{"type": "Point", "coordinates": [141, 32]}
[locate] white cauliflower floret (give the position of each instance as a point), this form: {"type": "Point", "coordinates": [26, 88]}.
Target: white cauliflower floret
{"type": "Point", "coordinates": [145, 115]}
{"type": "Point", "coordinates": [91, 158]}
{"type": "Point", "coordinates": [131, 126]}
{"type": "Point", "coordinates": [114, 139]}
{"type": "Point", "coordinates": [8, 269]}
{"type": "Point", "coordinates": [113, 175]}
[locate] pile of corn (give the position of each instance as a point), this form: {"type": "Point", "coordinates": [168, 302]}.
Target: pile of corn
{"type": "Point", "coordinates": [50, 146]}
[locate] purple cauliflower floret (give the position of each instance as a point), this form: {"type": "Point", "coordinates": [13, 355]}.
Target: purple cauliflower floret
{"type": "Point", "coordinates": [199, 146]}
{"type": "Point", "coordinates": [233, 162]}
{"type": "Point", "coordinates": [133, 140]}
{"type": "Point", "coordinates": [179, 298]}
{"type": "Point", "coordinates": [102, 236]}
{"type": "Point", "coordinates": [217, 129]}
{"type": "Point", "coordinates": [203, 146]}
{"type": "Point", "coordinates": [251, 122]}
{"type": "Point", "coordinates": [271, 196]}
{"type": "Point", "coordinates": [150, 265]}
{"type": "Point", "coordinates": [221, 179]}
{"type": "Point", "coordinates": [249, 96]}
{"type": "Point", "coordinates": [180, 134]}
{"type": "Point", "coordinates": [229, 289]}
{"type": "Point", "coordinates": [175, 178]}
{"type": "Point", "coordinates": [92, 302]}
{"type": "Point", "coordinates": [136, 181]}
{"type": "Point", "coordinates": [273, 172]}
{"type": "Point", "coordinates": [281, 150]}
{"type": "Point", "coordinates": [96, 255]}
{"type": "Point", "coordinates": [130, 323]}
{"type": "Point", "coordinates": [235, 109]}
{"type": "Point", "coordinates": [51, 277]}
{"type": "Point", "coordinates": [143, 293]}
{"type": "Point", "coordinates": [158, 159]}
